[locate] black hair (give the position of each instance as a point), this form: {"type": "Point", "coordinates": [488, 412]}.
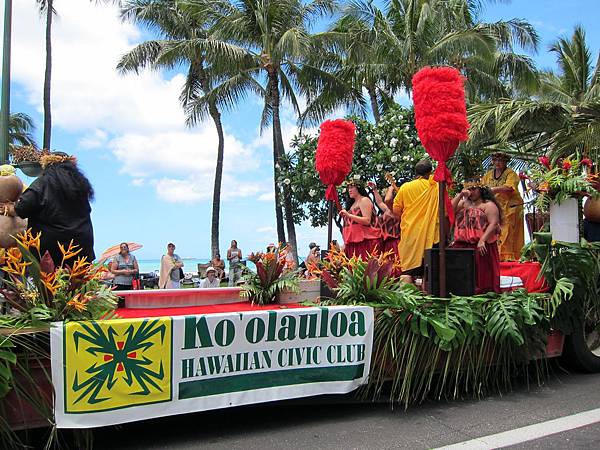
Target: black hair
{"type": "Point", "coordinates": [69, 181]}
{"type": "Point", "coordinates": [488, 196]}
{"type": "Point", "coordinates": [361, 190]}
{"type": "Point", "coordinates": [423, 167]}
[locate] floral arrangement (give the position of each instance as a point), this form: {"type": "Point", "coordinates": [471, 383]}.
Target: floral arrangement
{"type": "Point", "coordinates": [566, 178]}
{"type": "Point", "coordinates": [271, 276]}
{"type": "Point", "coordinates": [27, 153]}
{"type": "Point", "coordinates": [359, 281]}
{"type": "Point", "coordinates": [41, 292]}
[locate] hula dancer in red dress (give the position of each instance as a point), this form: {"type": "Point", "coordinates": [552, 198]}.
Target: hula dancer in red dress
{"type": "Point", "coordinates": [387, 222]}
{"type": "Point", "coordinates": [477, 226]}
{"type": "Point", "coordinates": [360, 236]}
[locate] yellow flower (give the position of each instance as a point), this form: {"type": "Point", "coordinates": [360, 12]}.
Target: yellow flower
{"type": "Point", "coordinates": [80, 268]}
{"type": "Point", "coordinates": [17, 268]}
{"type": "Point", "coordinates": [50, 282]}
{"type": "Point", "coordinates": [70, 251]}
{"type": "Point", "coordinates": [28, 240]}
{"type": "Point", "coordinates": [14, 255]}
{"type": "Point", "coordinates": [553, 243]}
{"type": "Point", "coordinates": [78, 303]}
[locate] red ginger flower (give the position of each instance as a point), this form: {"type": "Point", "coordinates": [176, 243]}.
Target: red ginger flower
{"type": "Point", "coordinates": [566, 164]}
{"type": "Point", "coordinates": [586, 162]}
{"type": "Point", "coordinates": [544, 161]}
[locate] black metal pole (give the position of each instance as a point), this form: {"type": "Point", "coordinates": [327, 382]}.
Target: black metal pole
{"type": "Point", "coordinates": [442, 245]}
{"type": "Point", "coordinates": [329, 224]}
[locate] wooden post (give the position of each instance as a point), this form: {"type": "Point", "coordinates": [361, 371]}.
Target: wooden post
{"type": "Point", "coordinates": [442, 245]}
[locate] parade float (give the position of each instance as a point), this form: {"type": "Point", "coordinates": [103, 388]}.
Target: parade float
{"type": "Point", "coordinates": [69, 359]}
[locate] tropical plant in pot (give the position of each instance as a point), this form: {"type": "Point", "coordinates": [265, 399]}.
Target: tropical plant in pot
{"type": "Point", "coordinates": [355, 280]}
{"type": "Point", "coordinates": [563, 179]}
{"type": "Point", "coordinates": [271, 277]}
{"type": "Point", "coordinates": [27, 158]}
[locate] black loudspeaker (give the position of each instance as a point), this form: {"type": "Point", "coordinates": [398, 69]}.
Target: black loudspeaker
{"type": "Point", "coordinates": [460, 271]}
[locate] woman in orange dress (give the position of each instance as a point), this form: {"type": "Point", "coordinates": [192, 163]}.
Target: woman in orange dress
{"type": "Point", "coordinates": [361, 237]}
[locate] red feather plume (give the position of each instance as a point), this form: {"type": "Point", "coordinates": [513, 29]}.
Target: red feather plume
{"type": "Point", "coordinates": [440, 113]}
{"type": "Point", "coordinates": [440, 116]}
{"type": "Point", "coordinates": [335, 150]}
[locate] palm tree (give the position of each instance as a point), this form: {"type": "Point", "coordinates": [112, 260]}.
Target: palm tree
{"type": "Point", "coordinates": [385, 48]}
{"type": "Point", "coordinates": [20, 130]}
{"type": "Point", "coordinates": [267, 42]}
{"type": "Point", "coordinates": [180, 34]}
{"type": "Point", "coordinates": [351, 52]}
{"type": "Point", "coordinates": [46, 8]}
{"type": "Point", "coordinates": [564, 115]}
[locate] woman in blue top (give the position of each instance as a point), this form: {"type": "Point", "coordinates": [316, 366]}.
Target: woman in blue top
{"type": "Point", "coordinates": [124, 267]}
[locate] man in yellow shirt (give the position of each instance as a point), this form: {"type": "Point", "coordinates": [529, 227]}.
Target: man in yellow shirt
{"type": "Point", "coordinates": [504, 183]}
{"type": "Point", "coordinates": [416, 203]}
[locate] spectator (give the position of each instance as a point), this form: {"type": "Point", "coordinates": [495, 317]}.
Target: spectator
{"type": "Point", "coordinates": [312, 259]}
{"type": "Point", "coordinates": [335, 246]}
{"type": "Point", "coordinates": [290, 262]}
{"type": "Point", "coordinates": [211, 280]}
{"type": "Point", "coordinates": [124, 267]}
{"type": "Point", "coordinates": [219, 266]}
{"type": "Point", "coordinates": [314, 254]}
{"type": "Point", "coordinates": [170, 269]}
{"type": "Point", "coordinates": [234, 256]}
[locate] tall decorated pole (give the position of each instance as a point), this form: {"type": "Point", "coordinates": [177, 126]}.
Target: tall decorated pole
{"type": "Point", "coordinates": [5, 108]}
{"type": "Point", "coordinates": [441, 121]}
{"type": "Point", "coordinates": [333, 161]}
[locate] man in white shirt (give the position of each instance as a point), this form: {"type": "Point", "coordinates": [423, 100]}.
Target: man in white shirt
{"type": "Point", "coordinates": [211, 280]}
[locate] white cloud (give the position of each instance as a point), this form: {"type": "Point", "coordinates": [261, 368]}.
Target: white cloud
{"type": "Point", "coordinates": [136, 117]}
{"type": "Point", "coordinates": [194, 189]}
{"type": "Point", "coordinates": [96, 139]}
{"type": "Point", "coordinates": [266, 197]}
{"type": "Point", "coordinates": [179, 152]}
{"type": "Point", "coordinates": [87, 91]}
{"type": "Point", "coordinates": [266, 230]}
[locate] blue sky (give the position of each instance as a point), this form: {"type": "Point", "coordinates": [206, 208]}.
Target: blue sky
{"type": "Point", "coordinates": [153, 177]}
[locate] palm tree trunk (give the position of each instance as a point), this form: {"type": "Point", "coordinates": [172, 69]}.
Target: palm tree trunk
{"type": "Point", "coordinates": [216, 206]}
{"type": "Point", "coordinates": [47, 75]}
{"type": "Point", "coordinates": [374, 105]}
{"type": "Point", "coordinates": [272, 86]}
{"type": "Point", "coordinates": [278, 152]}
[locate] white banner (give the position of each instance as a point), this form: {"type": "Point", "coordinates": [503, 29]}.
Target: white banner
{"type": "Point", "coordinates": [117, 371]}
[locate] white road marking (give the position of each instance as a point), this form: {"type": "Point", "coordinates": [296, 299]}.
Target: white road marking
{"type": "Point", "coordinates": [528, 433]}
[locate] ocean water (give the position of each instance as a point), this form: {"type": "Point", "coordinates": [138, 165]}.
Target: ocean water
{"type": "Point", "coordinates": [189, 265]}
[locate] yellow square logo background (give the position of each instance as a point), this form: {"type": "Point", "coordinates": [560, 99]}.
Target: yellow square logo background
{"type": "Point", "coordinates": [115, 364]}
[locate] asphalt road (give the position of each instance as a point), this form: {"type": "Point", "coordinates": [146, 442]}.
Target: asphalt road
{"type": "Point", "coordinates": [340, 424]}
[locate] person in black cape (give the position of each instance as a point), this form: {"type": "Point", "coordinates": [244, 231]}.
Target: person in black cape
{"type": "Point", "coordinates": [58, 204]}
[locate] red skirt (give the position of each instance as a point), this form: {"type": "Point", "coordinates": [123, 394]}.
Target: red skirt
{"type": "Point", "coordinates": [390, 244]}
{"type": "Point", "coordinates": [361, 249]}
{"type": "Point", "coordinates": [487, 267]}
